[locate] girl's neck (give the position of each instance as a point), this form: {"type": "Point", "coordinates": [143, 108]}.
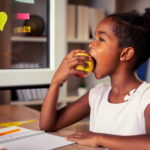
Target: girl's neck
{"type": "Point", "coordinates": [124, 83]}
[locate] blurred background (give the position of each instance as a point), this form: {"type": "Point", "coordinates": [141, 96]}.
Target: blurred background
{"type": "Point", "coordinates": [25, 43]}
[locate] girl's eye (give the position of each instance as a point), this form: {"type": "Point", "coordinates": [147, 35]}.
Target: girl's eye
{"type": "Point", "coordinates": [100, 39]}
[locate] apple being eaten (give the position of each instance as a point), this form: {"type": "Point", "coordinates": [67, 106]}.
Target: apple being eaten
{"type": "Point", "coordinates": [80, 67]}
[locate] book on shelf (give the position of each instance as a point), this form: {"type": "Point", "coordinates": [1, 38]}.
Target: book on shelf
{"type": "Point", "coordinates": [39, 94]}
{"type": "Point", "coordinates": [33, 91]}
{"type": "Point", "coordinates": [71, 21]}
{"type": "Point", "coordinates": [26, 92]}
{"type": "Point", "coordinates": [82, 28]}
{"type": "Point", "coordinates": [38, 90]}
{"type": "Point", "coordinates": [82, 21]}
{"type": "Point", "coordinates": [95, 16]}
{"type": "Point", "coordinates": [34, 94]}
{"type": "Point", "coordinates": [44, 92]}
{"type": "Point", "coordinates": [19, 95]}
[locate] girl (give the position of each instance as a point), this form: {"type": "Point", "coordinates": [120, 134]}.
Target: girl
{"type": "Point", "coordinates": [118, 120]}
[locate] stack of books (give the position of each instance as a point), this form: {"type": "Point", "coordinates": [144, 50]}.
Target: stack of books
{"type": "Point", "coordinates": [82, 21]}
{"type": "Point", "coordinates": [29, 94]}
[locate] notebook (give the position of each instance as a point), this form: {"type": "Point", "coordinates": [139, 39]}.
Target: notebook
{"type": "Point", "coordinates": [31, 140]}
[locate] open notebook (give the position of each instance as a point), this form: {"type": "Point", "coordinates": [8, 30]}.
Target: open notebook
{"type": "Point", "coordinates": [31, 140]}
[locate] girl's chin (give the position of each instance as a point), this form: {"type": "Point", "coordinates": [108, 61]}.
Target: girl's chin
{"type": "Point", "coordinates": [97, 75]}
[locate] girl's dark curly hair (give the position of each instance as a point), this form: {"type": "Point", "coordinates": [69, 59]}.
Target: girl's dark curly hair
{"type": "Point", "coordinates": [133, 30]}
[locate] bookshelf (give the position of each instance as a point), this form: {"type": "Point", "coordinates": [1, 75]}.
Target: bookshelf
{"type": "Point", "coordinates": [77, 42]}
{"type": "Point", "coordinates": [68, 92]}
{"type": "Point", "coordinates": [28, 39]}
{"type": "Point", "coordinates": [32, 102]}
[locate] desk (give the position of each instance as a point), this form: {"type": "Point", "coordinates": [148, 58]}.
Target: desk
{"type": "Point", "coordinates": [13, 113]}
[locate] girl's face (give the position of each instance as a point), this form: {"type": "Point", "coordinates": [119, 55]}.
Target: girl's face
{"type": "Point", "coordinates": [104, 49]}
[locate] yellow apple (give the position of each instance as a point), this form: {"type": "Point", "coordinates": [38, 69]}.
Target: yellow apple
{"type": "Point", "coordinates": [80, 67]}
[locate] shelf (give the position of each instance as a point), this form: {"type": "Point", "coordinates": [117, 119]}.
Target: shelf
{"type": "Point", "coordinates": [28, 39]}
{"type": "Point", "coordinates": [31, 102]}
{"type": "Point", "coordinates": [40, 102]}
{"type": "Point", "coordinates": [27, 102]}
{"type": "Point", "coordinates": [72, 98]}
{"type": "Point", "coordinates": [79, 40]}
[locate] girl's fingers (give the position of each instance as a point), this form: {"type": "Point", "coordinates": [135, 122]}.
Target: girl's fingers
{"type": "Point", "coordinates": [78, 133]}
{"type": "Point", "coordinates": [74, 71]}
{"type": "Point", "coordinates": [77, 62]}
{"type": "Point", "coordinates": [74, 136]}
{"type": "Point", "coordinates": [73, 52]}
{"type": "Point", "coordinates": [72, 139]}
{"type": "Point", "coordinates": [81, 57]}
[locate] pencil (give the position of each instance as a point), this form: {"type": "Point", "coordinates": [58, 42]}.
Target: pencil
{"type": "Point", "coordinates": [7, 132]}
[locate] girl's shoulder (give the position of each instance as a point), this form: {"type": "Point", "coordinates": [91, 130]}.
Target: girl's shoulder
{"type": "Point", "coordinates": [101, 87]}
{"type": "Point", "coordinates": [142, 97]}
{"type": "Point", "coordinates": [144, 89]}
{"type": "Point", "coordinates": [97, 93]}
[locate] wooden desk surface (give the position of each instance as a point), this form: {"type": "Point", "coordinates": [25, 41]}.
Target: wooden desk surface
{"type": "Point", "coordinates": [14, 113]}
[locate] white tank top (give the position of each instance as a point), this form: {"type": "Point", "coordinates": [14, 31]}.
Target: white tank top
{"type": "Point", "coordinates": [125, 118]}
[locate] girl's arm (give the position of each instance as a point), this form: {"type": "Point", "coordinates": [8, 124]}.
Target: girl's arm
{"type": "Point", "coordinates": [138, 142]}
{"type": "Point", "coordinates": [114, 142]}
{"type": "Point", "coordinates": [52, 119]}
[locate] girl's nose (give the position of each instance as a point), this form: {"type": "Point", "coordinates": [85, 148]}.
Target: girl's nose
{"type": "Point", "coordinates": [91, 45]}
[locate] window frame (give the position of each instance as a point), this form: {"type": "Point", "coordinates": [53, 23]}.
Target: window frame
{"type": "Point", "coordinates": [24, 77]}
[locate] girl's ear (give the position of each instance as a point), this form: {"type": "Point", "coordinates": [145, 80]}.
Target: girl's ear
{"type": "Point", "coordinates": [127, 53]}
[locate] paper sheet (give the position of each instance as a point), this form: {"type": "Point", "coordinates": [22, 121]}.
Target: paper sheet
{"type": "Point", "coordinates": [39, 142]}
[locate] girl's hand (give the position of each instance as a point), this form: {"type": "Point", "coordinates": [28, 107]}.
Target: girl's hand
{"type": "Point", "coordinates": [87, 138]}
{"type": "Point", "coordinates": [67, 67]}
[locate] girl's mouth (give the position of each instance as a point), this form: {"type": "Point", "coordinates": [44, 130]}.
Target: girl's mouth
{"type": "Point", "coordinates": [94, 63]}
